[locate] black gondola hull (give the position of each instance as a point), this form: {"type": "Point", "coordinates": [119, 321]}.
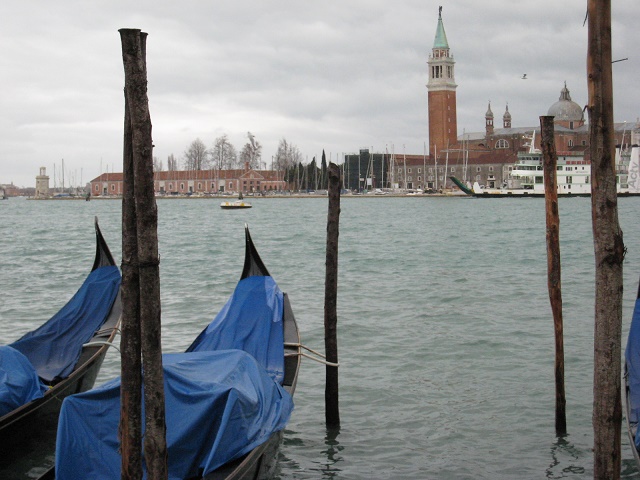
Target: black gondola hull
{"type": "Point", "coordinates": [28, 438]}
{"type": "Point", "coordinates": [28, 433]}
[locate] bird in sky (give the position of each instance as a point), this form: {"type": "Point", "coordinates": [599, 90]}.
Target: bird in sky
{"type": "Point", "coordinates": [524, 77]}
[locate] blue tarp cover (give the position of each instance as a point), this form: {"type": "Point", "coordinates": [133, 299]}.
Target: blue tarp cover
{"type": "Point", "coordinates": [19, 382]}
{"type": "Point", "coordinates": [251, 321]}
{"type": "Point", "coordinates": [220, 405]}
{"type": "Point", "coordinates": [632, 360]}
{"type": "Point", "coordinates": [221, 397]}
{"type": "Point", "coordinates": [55, 347]}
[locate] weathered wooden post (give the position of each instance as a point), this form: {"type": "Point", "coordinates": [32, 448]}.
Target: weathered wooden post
{"type": "Point", "coordinates": [608, 245]}
{"type": "Point", "coordinates": [332, 411]}
{"type": "Point", "coordinates": [145, 261]}
{"type": "Point", "coordinates": [554, 276]}
{"type": "Point", "coordinates": [130, 341]}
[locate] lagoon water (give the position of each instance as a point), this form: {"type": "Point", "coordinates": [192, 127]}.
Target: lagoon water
{"type": "Point", "coordinates": [445, 329]}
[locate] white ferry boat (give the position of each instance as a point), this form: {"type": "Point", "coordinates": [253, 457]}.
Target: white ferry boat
{"type": "Point", "coordinates": [573, 175]}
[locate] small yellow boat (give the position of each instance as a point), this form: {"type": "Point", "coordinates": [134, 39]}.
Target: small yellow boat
{"type": "Point", "coordinates": [239, 203]}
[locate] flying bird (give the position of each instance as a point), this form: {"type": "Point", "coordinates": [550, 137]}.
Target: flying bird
{"type": "Point", "coordinates": [524, 77]}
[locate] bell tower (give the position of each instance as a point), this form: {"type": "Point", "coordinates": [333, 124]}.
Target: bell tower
{"type": "Point", "coordinates": [443, 124]}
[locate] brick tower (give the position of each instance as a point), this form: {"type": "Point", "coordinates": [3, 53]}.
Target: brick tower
{"type": "Point", "coordinates": [443, 124]}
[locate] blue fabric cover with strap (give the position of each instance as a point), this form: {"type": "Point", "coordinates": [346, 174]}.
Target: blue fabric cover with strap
{"type": "Point", "coordinates": [219, 406]}
{"type": "Point", "coordinates": [55, 347]}
{"type": "Point", "coordinates": [632, 360]}
{"type": "Point", "coordinates": [251, 321]}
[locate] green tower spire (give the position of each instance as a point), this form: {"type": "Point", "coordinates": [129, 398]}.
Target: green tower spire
{"type": "Point", "coordinates": [440, 41]}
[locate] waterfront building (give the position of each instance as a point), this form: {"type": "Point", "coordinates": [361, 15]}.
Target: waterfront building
{"type": "Point", "coordinates": [387, 171]}
{"type": "Point", "coordinates": [189, 182]}
{"type": "Point", "coordinates": [10, 190]}
{"type": "Point", "coordinates": [488, 157]}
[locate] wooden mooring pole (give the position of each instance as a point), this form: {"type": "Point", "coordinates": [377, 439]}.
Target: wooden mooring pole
{"type": "Point", "coordinates": [608, 245]}
{"type": "Point", "coordinates": [332, 411]}
{"type": "Point", "coordinates": [554, 276]}
{"type": "Point", "coordinates": [142, 218]}
{"type": "Point", "coordinates": [130, 341]}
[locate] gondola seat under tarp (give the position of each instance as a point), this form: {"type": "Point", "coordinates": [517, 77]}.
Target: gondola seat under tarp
{"type": "Point", "coordinates": [49, 353]}
{"type": "Point", "coordinates": [223, 397]}
{"type": "Point", "coordinates": [19, 382]}
{"type": "Point", "coordinates": [251, 320]}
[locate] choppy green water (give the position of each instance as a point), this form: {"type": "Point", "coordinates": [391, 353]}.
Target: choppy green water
{"type": "Point", "coordinates": [445, 329]}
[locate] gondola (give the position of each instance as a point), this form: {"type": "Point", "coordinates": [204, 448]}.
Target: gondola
{"type": "Point", "coordinates": [60, 358]}
{"type": "Point", "coordinates": [255, 334]}
{"type": "Point", "coordinates": [260, 462]}
{"type": "Point", "coordinates": [632, 380]}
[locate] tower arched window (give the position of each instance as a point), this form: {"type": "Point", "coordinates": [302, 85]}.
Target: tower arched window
{"type": "Point", "coordinates": [502, 143]}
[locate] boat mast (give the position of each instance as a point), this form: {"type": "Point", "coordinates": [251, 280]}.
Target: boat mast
{"type": "Point", "coordinates": [424, 166]}
{"type": "Point", "coordinates": [446, 166]}
{"type": "Point", "coordinates": [392, 168]}
{"type": "Point", "coordinates": [369, 175]}
{"type": "Point", "coordinates": [404, 155]}
{"type": "Point", "coordinates": [435, 160]}
{"type": "Point", "coordinates": [465, 156]}
{"type": "Point", "coordinates": [359, 174]}
{"type": "Point", "coordinates": [382, 171]}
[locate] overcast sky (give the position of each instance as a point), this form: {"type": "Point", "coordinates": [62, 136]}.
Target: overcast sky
{"type": "Point", "coordinates": [333, 75]}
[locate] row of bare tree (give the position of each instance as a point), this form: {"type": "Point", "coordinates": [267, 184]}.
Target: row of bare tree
{"type": "Point", "coordinates": [223, 156]}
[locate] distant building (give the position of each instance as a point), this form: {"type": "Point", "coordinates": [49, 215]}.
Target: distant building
{"type": "Point", "coordinates": [368, 171]}
{"type": "Point", "coordinates": [187, 182]}
{"type": "Point", "coordinates": [42, 183]}
{"type": "Point", "coordinates": [488, 157]}
{"type": "Point", "coordinates": [10, 190]}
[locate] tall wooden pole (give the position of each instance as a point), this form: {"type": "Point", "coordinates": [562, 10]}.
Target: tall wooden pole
{"type": "Point", "coordinates": [146, 215]}
{"type": "Point", "coordinates": [608, 245]}
{"type": "Point", "coordinates": [554, 276]}
{"type": "Point", "coordinates": [332, 411]}
{"type": "Point", "coordinates": [130, 341]}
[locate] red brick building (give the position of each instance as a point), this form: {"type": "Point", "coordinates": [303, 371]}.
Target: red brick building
{"type": "Point", "coordinates": [187, 182]}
